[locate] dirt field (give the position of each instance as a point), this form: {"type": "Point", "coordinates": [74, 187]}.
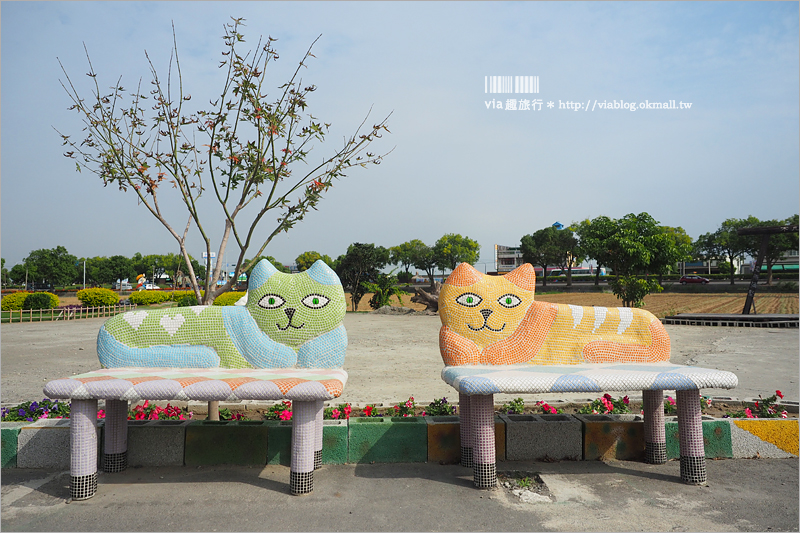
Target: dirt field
{"type": "Point", "coordinates": [660, 305]}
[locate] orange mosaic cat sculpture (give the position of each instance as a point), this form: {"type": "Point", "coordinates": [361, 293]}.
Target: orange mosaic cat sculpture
{"type": "Point", "coordinates": [494, 320]}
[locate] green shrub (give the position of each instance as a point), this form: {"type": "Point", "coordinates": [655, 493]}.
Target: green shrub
{"type": "Point", "coordinates": [38, 300]}
{"type": "Point", "coordinates": [149, 297]}
{"type": "Point", "coordinates": [187, 300]}
{"type": "Point", "coordinates": [54, 301]}
{"type": "Point", "coordinates": [228, 298]}
{"type": "Point", "coordinates": [405, 277]}
{"type": "Point", "coordinates": [14, 300]}
{"type": "Point", "coordinates": [175, 296]}
{"type": "Point", "coordinates": [96, 297]}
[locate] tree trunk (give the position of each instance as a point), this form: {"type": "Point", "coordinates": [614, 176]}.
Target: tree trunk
{"type": "Point", "coordinates": [431, 300]}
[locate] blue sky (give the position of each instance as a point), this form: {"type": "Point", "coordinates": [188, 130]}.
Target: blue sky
{"type": "Point", "coordinates": [492, 174]}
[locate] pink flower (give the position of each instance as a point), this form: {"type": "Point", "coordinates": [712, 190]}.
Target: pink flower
{"type": "Point", "coordinates": [146, 404]}
{"type": "Point", "coordinates": [335, 414]}
{"type": "Point", "coordinates": [607, 396]}
{"type": "Point", "coordinates": [671, 400]}
{"type": "Point", "coordinates": [749, 413]}
{"type": "Point", "coordinates": [286, 415]}
{"type": "Point", "coordinates": [625, 400]}
{"type": "Point", "coordinates": [784, 414]}
{"type": "Point", "coordinates": [408, 404]}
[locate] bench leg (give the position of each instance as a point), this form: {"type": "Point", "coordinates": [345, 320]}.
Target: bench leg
{"type": "Point", "coordinates": [484, 465]}
{"type": "Point", "coordinates": [690, 432]}
{"type": "Point", "coordinates": [318, 425]}
{"type": "Point", "coordinates": [655, 440]}
{"type": "Point", "coordinates": [115, 442]}
{"type": "Point", "coordinates": [83, 449]}
{"type": "Point", "coordinates": [465, 429]}
{"type": "Point", "coordinates": [304, 436]}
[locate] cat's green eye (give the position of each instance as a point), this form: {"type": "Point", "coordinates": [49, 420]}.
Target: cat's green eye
{"type": "Point", "coordinates": [271, 301]}
{"type": "Point", "coordinates": [315, 301]}
{"type": "Point", "coordinates": [469, 299]}
{"type": "Point", "coordinates": [509, 300]}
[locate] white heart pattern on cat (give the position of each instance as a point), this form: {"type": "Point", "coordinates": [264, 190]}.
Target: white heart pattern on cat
{"type": "Point", "coordinates": [135, 319]}
{"type": "Point", "coordinates": [172, 324]}
{"type": "Point", "coordinates": [198, 309]}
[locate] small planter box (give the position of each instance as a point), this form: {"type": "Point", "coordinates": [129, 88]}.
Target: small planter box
{"type": "Point", "coordinates": [45, 444]}
{"type": "Point", "coordinates": [716, 438]}
{"type": "Point", "coordinates": [10, 433]}
{"type": "Point", "coordinates": [156, 442]}
{"type": "Point", "coordinates": [388, 440]}
{"type": "Point", "coordinates": [279, 442]}
{"type": "Point", "coordinates": [612, 437]}
{"type": "Point", "coordinates": [444, 439]}
{"type": "Point", "coordinates": [212, 442]}
{"type": "Point", "coordinates": [335, 445]}
{"type": "Point", "coordinates": [543, 437]}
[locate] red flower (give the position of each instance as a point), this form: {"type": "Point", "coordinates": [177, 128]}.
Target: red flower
{"type": "Point", "coordinates": [625, 400]}
{"type": "Point", "coordinates": [779, 394]}
{"type": "Point", "coordinates": [368, 410]}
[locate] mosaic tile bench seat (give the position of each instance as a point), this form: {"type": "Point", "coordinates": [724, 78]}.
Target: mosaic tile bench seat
{"type": "Point", "coordinates": [496, 339]}
{"type": "Point", "coordinates": [284, 342]}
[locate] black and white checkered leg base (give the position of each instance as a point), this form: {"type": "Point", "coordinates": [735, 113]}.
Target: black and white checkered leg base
{"type": "Point", "coordinates": [115, 462]}
{"type": "Point", "coordinates": [693, 470]}
{"type": "Point", "coordinates": [83, 487]}
{"type": "Point", "coordinates": [485, 476]}
{"type": "Point", "coordinates": [466, 456]}
{"type": "Point", "coordinates": [301, 482]}
{"type": "Point", "coordinates": [655, 453]}
{"type": "Point", "coordinates": [317, 459]}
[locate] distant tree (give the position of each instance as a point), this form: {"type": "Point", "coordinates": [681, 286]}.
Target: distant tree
{"type": "Point", "coordinates": [121, 267]}
{"type": "Point", "coordinates": [306, 259]}
{"type": "Point", "coordinates": [593, 234]}
{"type": "Point", "coordinates": [407, 253]}
{"type": "Point", "coordinates": [630, 251]}
{"type": "Point", "coordinates": [246, 160]}
{"type": "Point", "coordinates": [18, 273]}
{"type": "Point", "coordinates": [4, 272]}
{"type": "Point", "coordinates": [423, 258]}
{"type": "Point", "coordinates": [452, 249]}
{"type": "Point", "coordinates": [568, 251]}
{"type": "Point", "coordinates": [676, 247]}
{"type": "Point", "coordinates": [361, 264]}
{"type": "Point", "coordinates": [540, 249]}
{"type": "Point", "coordinates": [384, 287]}
{"type": "Point", "coordinates": [56, 266]}
{"type": "Point", "coordinates": [248, 266]}
{"type": "Point", "coordinates": [726, 244]}
{"type": "Point", "coordinates": [777, 245]}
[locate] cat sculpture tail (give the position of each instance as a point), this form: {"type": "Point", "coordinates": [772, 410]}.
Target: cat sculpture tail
{"type": "Point", "coordinates": [495, 320]}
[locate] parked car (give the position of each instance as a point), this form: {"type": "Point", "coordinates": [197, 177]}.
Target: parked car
{"type": "Point", "coordinates": [34, 287]}
{"type": "Point", "coordinates": [150, 287]}
{"type": "Point", "coordinates": [693, 279]}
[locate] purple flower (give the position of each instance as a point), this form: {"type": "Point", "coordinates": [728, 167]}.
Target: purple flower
{"type": "Point", "coordinates": [22, 412]}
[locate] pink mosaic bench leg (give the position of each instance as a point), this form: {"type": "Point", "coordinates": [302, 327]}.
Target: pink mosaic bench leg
{"type": "Point", "coordinates": [318, 425]}
{"type": "Point", "coordinates": [304, 437]}
{"type": "Point", "coordinates": [466, 434]}
{"type": "Point", "coordinates": [83, 449]}
{"type": "Point", "coordinates": [655, 440]}
{"type": "Point", "coordinates": [484, 466]}
{"type": "Point", "coordinates": [690, 431]}
{"type": "Point", "coordinates": [115, 441]}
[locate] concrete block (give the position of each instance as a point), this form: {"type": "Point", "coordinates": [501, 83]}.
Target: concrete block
{"type": "Point", "coordinates": [45, 444]}
{"type": "Point", "coordinates": [156, 442]}
{"type": "Point", "coordinates": [10, 432]}
{"type": "Point", "coordinates": [537, 437]}
{"type": "Point", "coordinates": [444, 439]}
{"type": "Point", "coordinates": [226, 442]}
{"type": "Point", "coordinates": [388, 440]}
{"type": "Point", "coordinates": [716, 438]}
{"type": "Point", "coordinates": [279, 442]}
{"type": "Point", "coordinates": [335, 442]}
{"type": "Point", "coordinates": [612, 437]}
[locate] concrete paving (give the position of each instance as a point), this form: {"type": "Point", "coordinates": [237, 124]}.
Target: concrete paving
{"type": "Point", "coordinates": [390, 358]}
{"type": "Point", "coordinates": [741, 495]}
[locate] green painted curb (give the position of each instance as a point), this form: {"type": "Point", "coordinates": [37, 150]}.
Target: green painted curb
{"type": "Point", "coordinates": [716, 439]}
{"type": "Point", "coordinates": [279, 442]}
{"type": "Point", "coordinates": [388, 440]}
{"type": "Point", "coordinates": [9, 433]}
{"type": "Point", "coordinates": [226, 442]}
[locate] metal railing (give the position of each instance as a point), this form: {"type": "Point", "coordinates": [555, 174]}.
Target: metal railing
{"type": "Point", "coordinates": [45, 315]}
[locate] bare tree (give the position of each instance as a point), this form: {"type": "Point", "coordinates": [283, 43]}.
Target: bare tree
{"type": "Point", "coordinates": [252, 146]}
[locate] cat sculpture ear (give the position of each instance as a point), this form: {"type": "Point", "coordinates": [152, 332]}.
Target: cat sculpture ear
{"type": "Point", "coordinates": [524, 277]}
{"type": "Point", "coordinates": [463, 276]}
{"type": "Point", "coordinates": [260, 274]}
{"type": "Point", "coordinates": [323, 274]}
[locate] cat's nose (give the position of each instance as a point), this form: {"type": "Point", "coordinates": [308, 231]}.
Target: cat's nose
{"type": "Point", "coordinates": [486, 313]}
{"type": "Point", "coordinates": [289, 312]}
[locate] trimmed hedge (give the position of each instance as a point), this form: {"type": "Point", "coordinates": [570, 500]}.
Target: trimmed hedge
{"type": "Point", "coordinates": [228, 298]}
{"type": "Point", "coordinates": [40, 300]}
{"type": "Point", "coordinates": [14, 301]}
{"type": "Point", "coordinates": [150, 297]}
{"type": "Point", "coordinates": [97, 297]}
